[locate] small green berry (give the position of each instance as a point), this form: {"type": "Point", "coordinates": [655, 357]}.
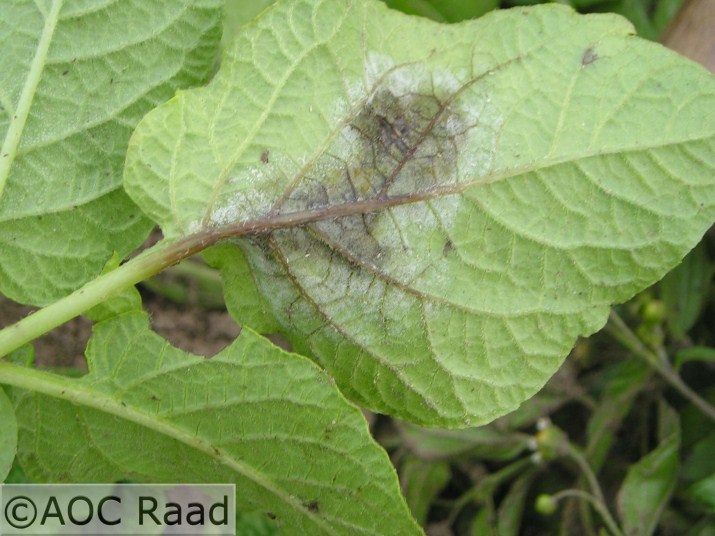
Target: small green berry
{"type": "Point", "coordinates": [654, 312]}
{"type": "Point", "coordinates": [545, 504]}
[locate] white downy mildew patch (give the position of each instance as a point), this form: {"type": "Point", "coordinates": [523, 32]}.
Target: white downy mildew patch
{"type": "Point", "coordinates": [248, 193]}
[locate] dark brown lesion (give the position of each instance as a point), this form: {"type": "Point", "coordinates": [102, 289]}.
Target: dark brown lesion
{"type": "Point", "coordinates": [398, 148]}
{"type": "Point", "coordinates": [392, 134]}
{"type": "Point", "coordinates": [448, 247]}
{"type": "Point", "coordinates": [407, 138]}
{"type": "Point", "coordinates": [406, 146]}
{"type": "Point", "coordinates": [396, 144]}
{"type": "Point", "coordinates": [589, 56]}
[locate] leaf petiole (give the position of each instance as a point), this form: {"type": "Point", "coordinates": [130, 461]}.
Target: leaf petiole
{"type": "Point", "coordinates": [149, 263]}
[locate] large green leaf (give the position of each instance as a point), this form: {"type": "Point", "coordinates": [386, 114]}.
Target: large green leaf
{"type": "Point", "coordinates": [8, 435]}
{"type": "Point", "coordinates": [269, 421]}
{"type": "Point", "coordinates": [75, 78]}
{"type": "Point", "coordinates": [437, 211]}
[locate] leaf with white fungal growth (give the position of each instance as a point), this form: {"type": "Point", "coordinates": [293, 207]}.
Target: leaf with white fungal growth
{"type": "Point", "coordinates": [434, 213]}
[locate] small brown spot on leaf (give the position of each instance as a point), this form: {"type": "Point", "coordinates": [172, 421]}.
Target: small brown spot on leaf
{"type": "Point", "coordinates": [264, 156]}
{"type": "Point", "coordinates": [313, 506]}
{"type": "Point", "coordinates": [270, 515]}
{"type": "Point", "coordinates": [448, 246]}
{"type": "Point", "coordinates": [589, 56]}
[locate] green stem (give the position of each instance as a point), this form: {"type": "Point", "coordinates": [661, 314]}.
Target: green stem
{"type": "Point", "coordinates": [488, 484]}
{"type": "Point", "coordinates": [658, 360]}
{"type": "Point", "coordinates": [98, 290]}
{"type": "Point", "coordinates": [598, 505]}
{"type": "Point", "coordinates": [570, 451]}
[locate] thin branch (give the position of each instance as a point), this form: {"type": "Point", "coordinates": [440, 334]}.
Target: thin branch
{"type": "Point", "coordinates": [598, 505]}
{"type": "Point", "coordinates": [658, 360]}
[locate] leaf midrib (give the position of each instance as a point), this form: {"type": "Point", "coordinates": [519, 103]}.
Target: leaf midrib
{"type": "Point", "coordinates": [283, 220]}
{"type": "Point", "coordinates": [19, 117]}
{"type": "Point", "coordinates": [73, 391]}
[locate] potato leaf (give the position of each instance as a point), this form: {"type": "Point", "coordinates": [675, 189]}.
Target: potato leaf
{"type": "Point", "coordinates": [269, 421]}
{"type": "Point", "coordinates": [8, 435]}
{"type": "Point", "coordinates": [75, 78]}
{"type": "Point", "coordinates": [435, 212]}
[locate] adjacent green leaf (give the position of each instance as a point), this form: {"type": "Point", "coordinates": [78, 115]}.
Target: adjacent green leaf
{"type": "Point", "coordinates": [695, 425]}
{"type": "Point", "coordinates": [664, 12]}
{"type": "Point", "coordinates": [694, 353]}
{"type": "Point", "coordinates": [704, 528]}
{"type": "Point", "coordinates": [75, 78]}
{"type": "Point", "coordinates": [270, 421]}
{"type": "Point", "coordinates": [589, 4]}
{"type": "Point", "coordinates": [16, 476]}
{"type": "Point", "coordinates": [445, 10]}
{"type": "Point", "coordinates": [483, 522]}
{"type": "Point", "coordinates": [237, 13]}
{"type": "Point", "coordinates": [650, 17]}
{"type": "Point", "coordinates": [684, 291]}
{"type": "Point", "coordinates": [485, 442]}
{"type": "Point", "coordinates": [255, 525]}
{"type": "Point", "coordinates": [700, 462]}
{"type": "Point", "coordinates": [622, 383]}
{"type": "Point", "coordinates": [8, 435]}
{"type": "Point", "coordinates": [421, 483]}
{"type": "Point", "coordinates": [437, 211]}
{"type": "Point", "coordinates": [511, 509]}
{"type": "Point", "coordinates": [704, 491]}
{"type": "Point", "coordinates": [251, 306]}
{"type": "Point", "coordinates": [543, 403]}
{"type": "Point", "coordinates": [649, 483]}
{"type": "Point", "coordinates": [636, 11]}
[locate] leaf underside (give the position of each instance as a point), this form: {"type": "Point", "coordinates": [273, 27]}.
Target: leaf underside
{"type": "Point", "coordinates": [8, 435]}
{"type": "Point", "coordinates": [434, 213]}
{"type": "Point", "coordinates": [270, 422]}
{"type": "Point", "coordinates": [75, 79]}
